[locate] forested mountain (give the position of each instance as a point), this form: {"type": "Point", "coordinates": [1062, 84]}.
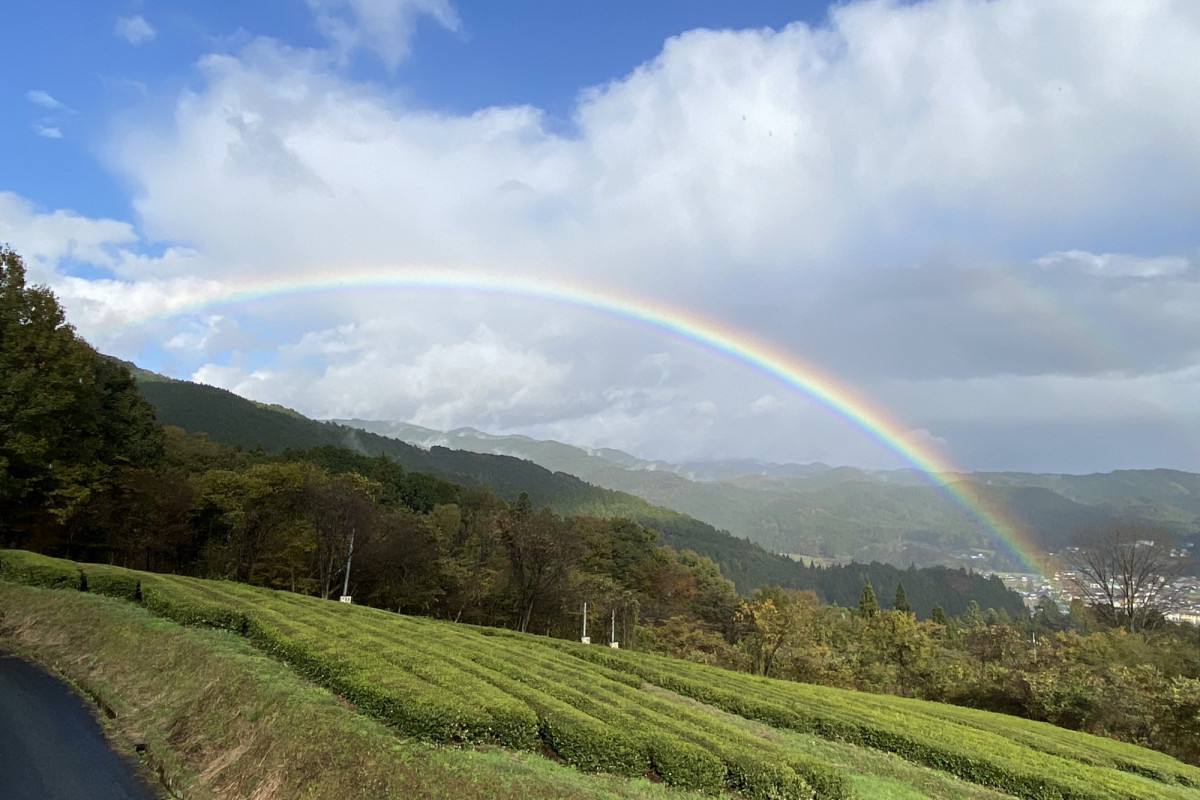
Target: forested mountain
{"type": "Point", "coordinates": [844, 513]}
{"type": "Point", "coordinates": [227, 418]}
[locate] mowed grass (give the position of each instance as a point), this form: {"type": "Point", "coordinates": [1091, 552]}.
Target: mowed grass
{"type": "Point", "coordinates": [598, 709]}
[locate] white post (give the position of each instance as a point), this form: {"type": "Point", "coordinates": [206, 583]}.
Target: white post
{"type": "Point", "coordinates": [585, 638]}
{"type": "Point", "coordinates": [612, 636]}
{"type": "Point", "coordinates": [346, 584]}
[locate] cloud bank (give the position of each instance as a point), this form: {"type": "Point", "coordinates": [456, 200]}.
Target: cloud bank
{"type": "Point", "coordinates": [981, 215]}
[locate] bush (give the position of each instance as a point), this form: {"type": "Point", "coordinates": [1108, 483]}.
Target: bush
{"type": "Point", "coordinates": [31, 569]}
{"type": "Point", "coordinates": [685, 765]}
{"type": "Point", "coordinates": [113, 582]}
{"type": "Point", "coordinates": [588, 744]}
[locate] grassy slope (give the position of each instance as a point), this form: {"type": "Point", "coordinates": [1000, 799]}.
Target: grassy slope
{"type": "Point", "coordinates": [219, 719]}
{"type": "Point", "coordinates": [213, 709]}
{"type": "Point", "coordinates": [222, 720]}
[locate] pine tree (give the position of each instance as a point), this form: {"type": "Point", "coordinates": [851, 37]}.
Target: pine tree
{"type": "Point", "coordinates": [868, 605]}
{"type": "Point", "coordinates": [938, 615]}
{"type": "Point", "coordinates": [973, 617]}
{"type": "Point", "coordinates": [901, 601]}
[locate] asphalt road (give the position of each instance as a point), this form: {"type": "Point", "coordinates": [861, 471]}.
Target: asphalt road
{"type": "Point", "coordinates": [51, 747]}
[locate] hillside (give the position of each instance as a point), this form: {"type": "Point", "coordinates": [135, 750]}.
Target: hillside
{"type": "Point", "coordinates": [225, 417]}
{"type": "Point", "coordinates": [844, 513]}
{"type": "Point", "coordinates": [601, 710]}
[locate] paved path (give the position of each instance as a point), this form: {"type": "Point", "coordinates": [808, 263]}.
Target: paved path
{"type": "Point", "coordinates": [51, 748]}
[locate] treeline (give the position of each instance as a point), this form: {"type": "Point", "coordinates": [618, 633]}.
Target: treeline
{"type": "Point", "coordinates": [233, 420]}
{"type": "Point", "coordinates": [413, 543]}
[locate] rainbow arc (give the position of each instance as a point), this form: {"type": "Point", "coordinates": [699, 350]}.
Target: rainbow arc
{"type": "Point", "coordinates": [739, 345]}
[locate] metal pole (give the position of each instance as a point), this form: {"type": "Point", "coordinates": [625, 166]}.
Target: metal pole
{"type": "Point", "coordinates": [585, 619]}
{"type": "Point", "coordinates": [346, 584]}
{"type": "Point", "coordinates": [612, 637]}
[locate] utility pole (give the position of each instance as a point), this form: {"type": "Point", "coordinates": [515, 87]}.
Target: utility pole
{"type": "Point", "coordinates": [346, 584]}
{"type": "Point", "coordinates": [585, 638]}
{"type": "Point", "coordinates": [612, 636]}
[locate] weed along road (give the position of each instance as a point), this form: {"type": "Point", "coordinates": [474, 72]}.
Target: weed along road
{"type": "Point", "coordinates": [51, 748]}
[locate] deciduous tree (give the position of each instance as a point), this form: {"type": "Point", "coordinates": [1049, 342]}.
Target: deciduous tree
{"type": "Point", "coordinates": [1128, 571]}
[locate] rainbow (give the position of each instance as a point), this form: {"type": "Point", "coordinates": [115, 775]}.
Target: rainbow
{"type": "Point", "coordinates": [714, 335]}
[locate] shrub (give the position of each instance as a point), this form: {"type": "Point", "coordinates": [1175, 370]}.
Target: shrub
{"type": "Point", "coordinates": [31, 569]}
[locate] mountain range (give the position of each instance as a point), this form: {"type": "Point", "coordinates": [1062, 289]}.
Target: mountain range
{"type": "Point", "coordinates": [227, 418]}
{"type": "Point", "coordinates": [844, 513]}
{"type": "Point", "coordinates": [745, 514]}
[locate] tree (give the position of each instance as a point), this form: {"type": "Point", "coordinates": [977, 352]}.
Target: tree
{"type": "Point", "coordinates": [901, 601]}
{"type": "Point", "coordinates": [68, 416]}
{"type": "Point", "coordinates": [973, 618]}
{"type": "Point", "coordinates": [772, 621]}
{"type": "Point", "coordinates": [868, 604]}
{"type": "Point", "coordinates": [541, 552]}
{"type": "Point", "coordinates": [1128, 571]}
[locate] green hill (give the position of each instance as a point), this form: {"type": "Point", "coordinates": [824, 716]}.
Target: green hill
{"type": "Point", "coordinates": [228, 418]}
{"type": "Point", "coordinates": [600, 710]}
{"type": "Point", "coordinates": [847, 513]}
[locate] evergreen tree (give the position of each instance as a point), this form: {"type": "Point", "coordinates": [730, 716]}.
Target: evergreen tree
{"type": "Point", "coordinates": [68, 416]}
{"type": "Point", "coordinates": [901, 601]}
{"type": "Point", "coordinates": [868, 605]}
{"type": "Point", "coordinates": [939, 616]}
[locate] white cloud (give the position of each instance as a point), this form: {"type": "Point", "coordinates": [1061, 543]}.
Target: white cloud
{"type": "Point", "coordinates": [443, 386]}
{"type": "Point", "coordinates": [40, 97]}
{"type": "Point", "coordinates": [384, 27]}
{"type": "Point", "coordinates": [896, 132]}
{"type": "Point", "coordinates": [865, 194]}
{"type": "Point", "coordinates": [1117, 265]}
{"type": "Point", "coordinates": [135, 29]}
{"type": "Point", "coordinates": [764, 404]}
{"type": "Point", "coordinates": [44, 238]}
{"type": "Point", "coordinates": [48, 131]}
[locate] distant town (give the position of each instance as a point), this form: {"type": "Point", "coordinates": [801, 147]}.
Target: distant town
{"type": "Point", "coordinates": [1065, 584]}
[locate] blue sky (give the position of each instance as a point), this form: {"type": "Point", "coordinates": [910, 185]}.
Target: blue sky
{"type": "Point", "coordinates": [542, 53]}
{"type": "Point", "coordinates": [982, 216]}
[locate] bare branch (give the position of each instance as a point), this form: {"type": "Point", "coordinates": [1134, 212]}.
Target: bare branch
{"type": "Point", "coordinates": [1128, 570]}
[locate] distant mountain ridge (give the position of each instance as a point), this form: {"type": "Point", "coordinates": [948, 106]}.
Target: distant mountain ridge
{"type": "Point", "coordinates": [225, 417]}
{"type": "Point", "coordinates": [845, 512]}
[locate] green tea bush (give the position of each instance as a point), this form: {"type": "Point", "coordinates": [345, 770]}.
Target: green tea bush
{"type": "Point", "coordinates": [171, 598]}
{"type": "Point", "coordinates": [31, 569]}
{"type": "Point", "coordinates": [685, 765]}
{"type": "Point", "coordinates": [975, 755]}
{"type": "Point", "coordinates": [113, 582]}
{"type": "Point", "coordinates": [588, 744]}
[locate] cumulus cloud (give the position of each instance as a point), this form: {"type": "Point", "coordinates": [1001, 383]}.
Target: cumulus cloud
{"type": "Point", "coordinates": [895, 132]}
{"type": "Point", "coordinates": [445, 385]}
{"type": "Point", "coordinates": [135, 29]}
{"type": "Point", "coordinates": [44, 238]}
{"type": "Point", "coordinates": [935, 201]}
